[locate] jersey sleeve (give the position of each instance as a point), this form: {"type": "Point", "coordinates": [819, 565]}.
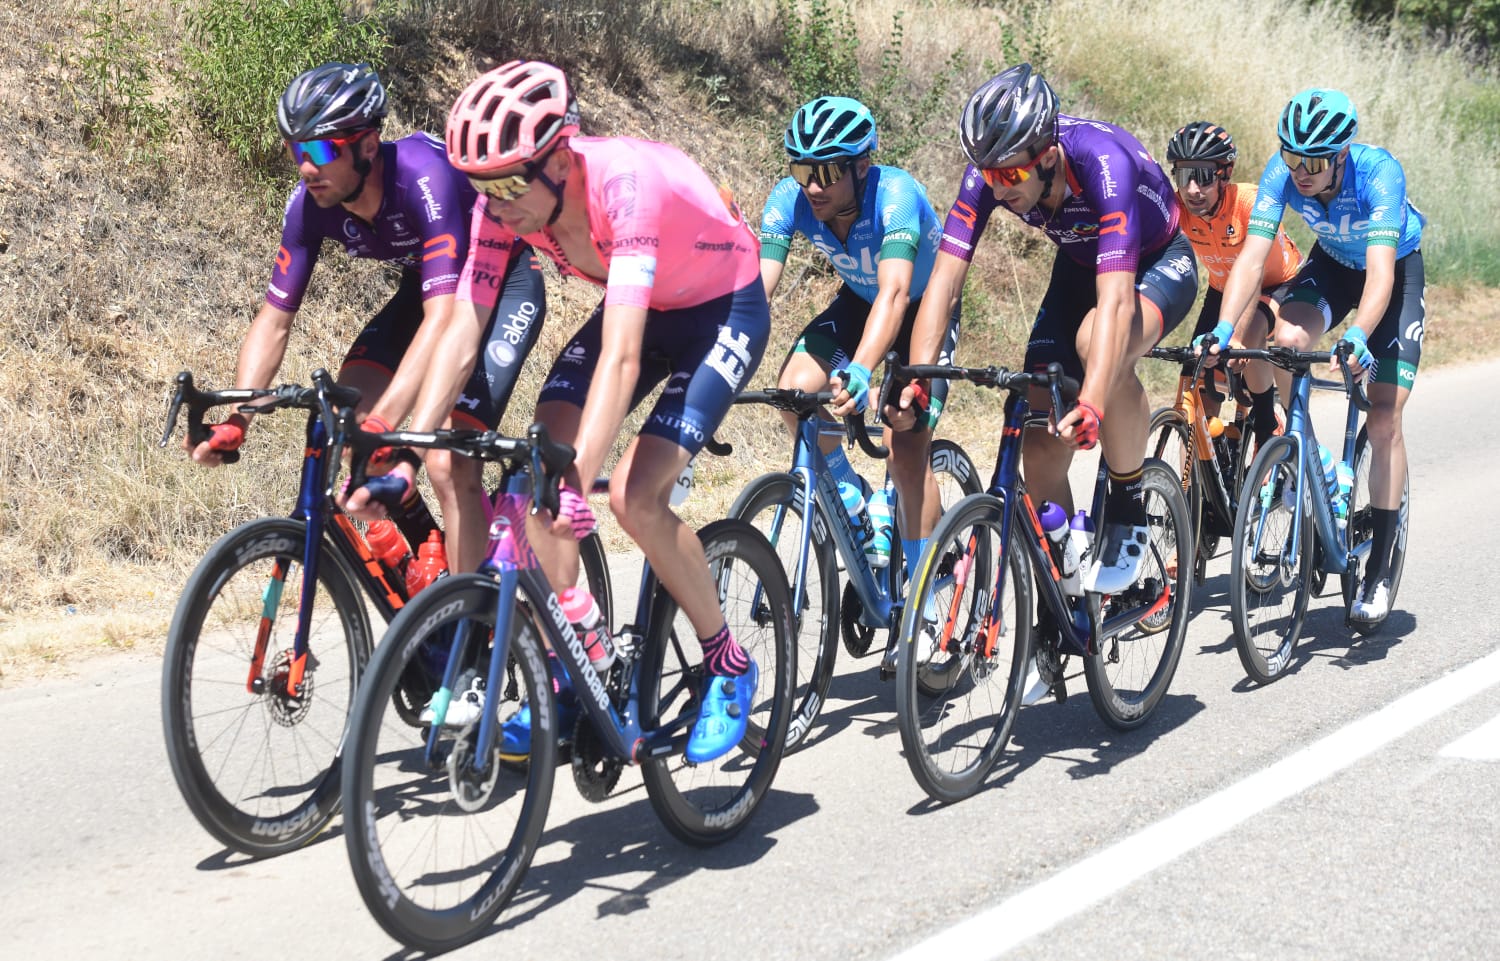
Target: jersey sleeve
{"type": "Point", "coordinates": [778, 221]}
{"type": "Point", "coordinates": [443, 217]}
{"type": "Point", "coordinates": [490, 252]}
{"type": "Point", "coordinates": [1383, 194]}
{"type": "Point", "coordinates": [1270, 199]}
{"type": "Point", "coordinates": [968, 217]}
{"type": "Point", "coordinates": [899, 205]}
{"type": "Point", "coordinates": [632, 195]}
{"type": "Point", "coordinates": [295, 257]}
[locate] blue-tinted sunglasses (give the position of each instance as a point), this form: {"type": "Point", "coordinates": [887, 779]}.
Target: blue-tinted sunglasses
{"type": "Point", "coordinates": [321, 152]}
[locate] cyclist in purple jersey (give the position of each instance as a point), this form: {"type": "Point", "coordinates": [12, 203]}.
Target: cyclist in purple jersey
{"type": "Point", "coordinates": [399, 202]}
{"type": "Point", "coordinates": [1124, 276]}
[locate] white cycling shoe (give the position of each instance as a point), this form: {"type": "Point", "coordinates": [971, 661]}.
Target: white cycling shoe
{"type": "Point", "coordinates": [1122, 550]}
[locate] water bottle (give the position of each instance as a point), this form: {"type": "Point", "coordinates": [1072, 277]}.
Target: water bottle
{"type": "Point", "coordinates": [1064, 549]}
{"type": "Point", "coordinates": [390, 549]}
{"type": "Point", "coordinates": [1330, 477]}
{"type": "Point", "coordinates": [1345, 478]}
{"type": "Point", "coordinates": [878, 548]}
{"type": "Point", "coordinates": [581, 610]}
{"type": "Point", "coordinates": [431, 563]}
{"type": "Point", "coordinates": [854, 503]}
{"type": "Point", "coordinates": [1081, 537]}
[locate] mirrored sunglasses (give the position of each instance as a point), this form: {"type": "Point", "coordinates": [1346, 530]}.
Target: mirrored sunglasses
{"type": "Point", "coordinates": [320, 152]}
{"type": "Point", "coordinates": [1009, 176]}
{"type": "Point", "coordinates": [1313, 165]}
{"type": "Point", "coordinates": [1203, 176]}
{"type": "Point", "coordinates": [504, 188]}
{"type": "Point", "coordinates": [825, 175]}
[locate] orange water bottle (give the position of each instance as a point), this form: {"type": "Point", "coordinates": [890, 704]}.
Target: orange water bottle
{"type": "Point", "coordinates": [432, 561]}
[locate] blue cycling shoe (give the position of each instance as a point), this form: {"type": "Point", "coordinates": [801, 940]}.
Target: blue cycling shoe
{"type": "Point", "coordinates": [515, 734]}
{"type": "Point", "coordinates": [724, 715]}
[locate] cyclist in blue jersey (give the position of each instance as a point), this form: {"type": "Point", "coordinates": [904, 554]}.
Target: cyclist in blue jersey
{"type": "Point", "coordinates": [1367, 259]}
{"type": "Point", "coordinates": [1123, 278]}
{"type": "Point", "coordinates": [400, 202]}
{"type": "Point", "coordinates": [878, 229]}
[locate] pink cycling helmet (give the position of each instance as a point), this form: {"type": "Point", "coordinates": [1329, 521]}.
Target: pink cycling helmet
{"type": "Point", "coordinates": [510, 115]}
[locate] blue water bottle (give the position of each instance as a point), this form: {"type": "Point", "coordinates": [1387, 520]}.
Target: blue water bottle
{"type": "Point", "coordinates": [854, 503]}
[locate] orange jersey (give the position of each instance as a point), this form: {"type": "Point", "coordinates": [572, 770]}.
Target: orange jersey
{"type": "Point", "coordinates": [1217, 240]}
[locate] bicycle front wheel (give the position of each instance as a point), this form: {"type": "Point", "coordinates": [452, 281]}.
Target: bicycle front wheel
{"type": "Point", "coordinates": [438, 843]}
{"type": "Point", "coordinates": [1134, 667]}
{"type": "Point", "coordinates": [708, 803]}
{"type": "Point", "coordinates": [258, 762]}
{"type": "Point", "coordinates": [964, 643]}
{"type": "Point", "coordinates": [1270, 580]}
{"type": "Point", "coordinates": [1362, 528]}
{"type": "Point", "coordinates": [1172, 443]}
{"type": "Point", "coordinates": [774, 505]}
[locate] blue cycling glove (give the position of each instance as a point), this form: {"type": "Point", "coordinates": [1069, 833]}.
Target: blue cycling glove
{"type": "Point", "coordinates": [1360, 342]}
{"type": "Point", "coordinates": [1220, 335]}
{"type": "Point", "coordinates": [856, 378]}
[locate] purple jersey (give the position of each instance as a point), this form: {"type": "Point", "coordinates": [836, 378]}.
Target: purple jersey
{"type": "Point", "coordinates": [1119, 204]}
{"type": "Point", "coordinates": [422, 224]}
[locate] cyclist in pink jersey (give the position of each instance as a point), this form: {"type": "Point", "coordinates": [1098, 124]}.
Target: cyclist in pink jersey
{"type": "Point", "coordinates": [400, 202]}
{"type": "Point", "coordinates": [683, 301]}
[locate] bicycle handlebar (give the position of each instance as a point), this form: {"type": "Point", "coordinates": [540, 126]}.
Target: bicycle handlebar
{"type": "Point", "coordinates": [323, 396]}
{"type": "Point", "coordinates": [806, 404]}
{"type": "Point", "coordinates": [1300, 361]}
{"type": "Point", "coordinates": [1064, 389]}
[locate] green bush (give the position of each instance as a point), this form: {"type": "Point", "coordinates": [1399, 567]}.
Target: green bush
{"type": "Point", "coordinates": [113, 74]}
{"type": "Point", "coordinates": [821, 47]}
{"type": "Point", "coordinates": [241, 54]}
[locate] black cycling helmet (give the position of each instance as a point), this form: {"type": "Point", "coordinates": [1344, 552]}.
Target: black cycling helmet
{"type": "Point", "coordinates": [1202, 141]}
{"type": "Point", "coordinates": [1010, 114]}
{"type": "Point", "coordinates": [331, 100]}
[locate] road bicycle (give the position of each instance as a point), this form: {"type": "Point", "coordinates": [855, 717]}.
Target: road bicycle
{"type": "Point", "coordinates": [969, 617]}
{"type": "Point", "coordinates": [1288, 538]}
{"type": "Point", "coordinates": [812, 553]}
{"type": "Point", "coordinates": [271, 634]}
{"type": "Point", "coordinates": [440, 830]}
{"type": "Point", "coordinates": [1209, 455]}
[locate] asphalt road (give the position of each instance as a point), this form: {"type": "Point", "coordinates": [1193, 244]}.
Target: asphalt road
{"type": "Point", "coordinates": [1347, 811]}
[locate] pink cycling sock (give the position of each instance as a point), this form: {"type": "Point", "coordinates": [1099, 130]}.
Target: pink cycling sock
{"type": "Point", "coordinates": [723, 656]}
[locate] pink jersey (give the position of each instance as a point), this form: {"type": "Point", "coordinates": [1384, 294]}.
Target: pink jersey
{"type": "Point", "coordinates": [666, 235]}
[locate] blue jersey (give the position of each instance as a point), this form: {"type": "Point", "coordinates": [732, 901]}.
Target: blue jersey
{"type": "Point", "coordinates": [1371, 207]}
{"type": "Point", "coordinates": [895, 220]}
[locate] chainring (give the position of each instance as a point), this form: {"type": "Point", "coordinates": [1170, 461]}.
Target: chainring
{"type": "Point", "coordinates": [857, 637]}
{"type": "Point", "coordinates": [595, 772]}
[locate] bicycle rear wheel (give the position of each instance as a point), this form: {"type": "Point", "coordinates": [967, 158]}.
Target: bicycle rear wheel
{"type": "Point", "coordinates": [1171, 442]}
{"type": "Point", "coordinates": [438, 849]}
{"type": "Point", "coordinates": [774, 505]}
{"type": "Point", "coordinates": [1134, 667]}
{"type": "Point", "coordinates": [257, 763]}
{"type": "Point", "coordinates": [964, 643]}
{"type": "Point", "coordinates": [1270, 580]}
{"type": "Point", "coordinates": [1362, 529]}
{"type": "Point", "coordinates": [704, 804]}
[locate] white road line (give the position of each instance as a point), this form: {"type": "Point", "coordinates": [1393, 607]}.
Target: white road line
{"type": "Point", "coordinates": [1092, 880]}
{"type": "Point", "coordinates": [1480, 744]}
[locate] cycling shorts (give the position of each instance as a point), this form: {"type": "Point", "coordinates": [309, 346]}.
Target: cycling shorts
{"type": "Point", "coordinates": [706, 354]}
{"type": "Point", "coordinates": [1334, 290]}
{"type": "Point", "coordinates": [834, 336]}
{"type": "Point", "coordinates": [1168, 278]}
{"type": "Point", "coordinates": [508, 337]}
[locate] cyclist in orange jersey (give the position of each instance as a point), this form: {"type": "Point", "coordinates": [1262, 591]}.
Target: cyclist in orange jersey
{"type": "Point", "coordinates": [1215, 217]}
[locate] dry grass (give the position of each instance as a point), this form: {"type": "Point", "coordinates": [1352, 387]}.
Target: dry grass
{"type": "Point", "coordinates": [118, 270]}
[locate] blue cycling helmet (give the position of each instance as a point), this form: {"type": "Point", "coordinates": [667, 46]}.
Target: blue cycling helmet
{"type": "Point", "coordinates": [830, 128]}
{"type": "Point", "coordinates": [1318, 123]}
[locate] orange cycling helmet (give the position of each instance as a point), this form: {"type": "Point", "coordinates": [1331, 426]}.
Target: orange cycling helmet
{"type": "Point", "coordinates": [510, 115]}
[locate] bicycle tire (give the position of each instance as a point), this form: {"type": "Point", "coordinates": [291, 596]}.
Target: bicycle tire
{"type": "Point", "coordinates": [954, 724]}
{"type": "Point", "coordinates": [703, 804]}
{"type": "Point", "coordinates": [816, 622]}
{"type": "Point", "coordinates": [260, 770]}
{"type": "Point", "coordinates": [436, 853]}
{"type": "Point", "coordinates": [1267, 597]}
{"type": "Point", "coordinates": [1361, 529]}
{"type": "Point", "coordinates": [1172, 443]}
{"type": "Point", "coordinates": [1132, 670]}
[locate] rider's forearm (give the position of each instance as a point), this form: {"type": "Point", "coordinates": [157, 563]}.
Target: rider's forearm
{"type": "Point", "coordinates": [939, 300]}
{"type": "Point", "coordinates": [417, 363]}
{"type": "Point", "coordinates": [1113, 318]}
{"type": "Point", "coordinates": [882, 325]}
{"type": "Point", "coordinates": [264, 347]}
{"type": "Point", "coordinates": [615, 377]}
{"type": "Point", "coordinates": [450, 361]}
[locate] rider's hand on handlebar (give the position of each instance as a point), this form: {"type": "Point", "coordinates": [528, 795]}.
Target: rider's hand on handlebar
{"type": "Point", "coordinates": [911, 408]}
{"type": "Point", "coordinates": [362, 502]}
{"type": "Point", "coordinates": [1079, 428]}
{"type": "Point", "coordinates": [852, 392]}
{"type": "Point", "coordinates": [1215, 340]}
{"type": "Point", "coordinates": [573, 514]}
{"type": "Point", "coordinates": [376, 424]}
{"type": "Point", "coordinates": [1359, 353]}
{"type": "Point", "coordinates": [222, 438]}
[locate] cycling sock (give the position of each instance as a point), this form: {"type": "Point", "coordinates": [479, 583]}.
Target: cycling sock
{"type": "Point", "coordinates": [1384, 522]}
{"type": "Point", "coordinates": [839, 464]}
{"type": "Point", "coordinates": [1263, 414]}
{"type": "Point", "coordinates": [1127, 498]}
{"type": "Point", "coordinates": [723, 656]}
{"type": "Point", "coordinates": [912, 551]}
